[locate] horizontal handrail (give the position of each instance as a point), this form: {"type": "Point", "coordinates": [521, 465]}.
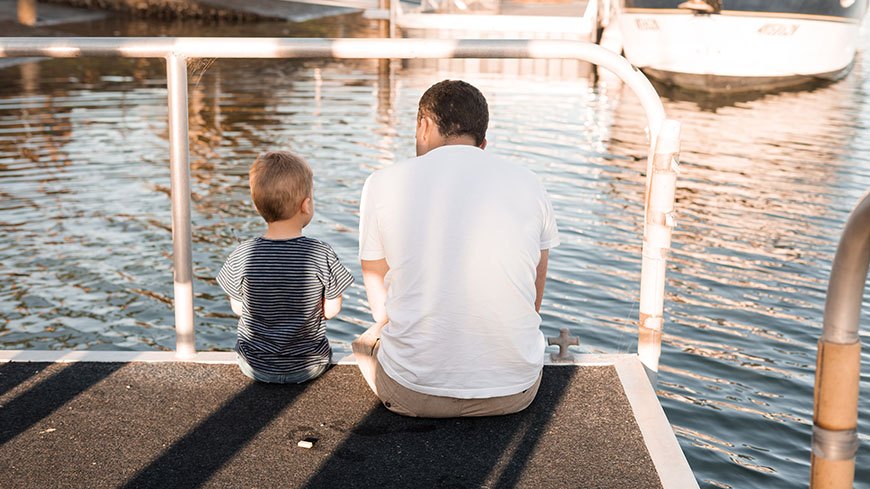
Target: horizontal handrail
{"type": "Point", "coordinates": [247, 47]}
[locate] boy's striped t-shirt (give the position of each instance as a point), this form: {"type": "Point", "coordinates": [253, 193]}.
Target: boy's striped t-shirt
{"type": "Point", "coordinates": [281, 285]}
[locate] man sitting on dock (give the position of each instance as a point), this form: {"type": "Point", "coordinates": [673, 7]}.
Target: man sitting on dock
{"type": "Point", "coordinates": [454, 246]}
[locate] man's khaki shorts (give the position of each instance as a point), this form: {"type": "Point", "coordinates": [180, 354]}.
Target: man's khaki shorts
{"type": "Point", "coordinates": [407, 402]}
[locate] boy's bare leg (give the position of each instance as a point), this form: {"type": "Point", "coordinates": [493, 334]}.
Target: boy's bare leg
{"type": "Point", "coordinates": [365, 353]}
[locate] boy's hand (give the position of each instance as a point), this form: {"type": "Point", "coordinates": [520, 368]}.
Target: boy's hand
{"type": "Point", "coordinates": [236, 306]}
{"type": "Point", "coordinates": [331, 307]}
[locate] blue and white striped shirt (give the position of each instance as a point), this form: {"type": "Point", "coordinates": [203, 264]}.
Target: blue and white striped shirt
{"type": "Point", "coordinates": [281, 285]}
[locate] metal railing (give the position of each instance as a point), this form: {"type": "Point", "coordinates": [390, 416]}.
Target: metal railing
{"type": "Point", "coordinates": [838, 364]}
{"type": "Point", "coordinates": [664, 135]}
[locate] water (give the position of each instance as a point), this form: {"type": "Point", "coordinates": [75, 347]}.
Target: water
{"type": "Point", "coordinates": [766, 185]}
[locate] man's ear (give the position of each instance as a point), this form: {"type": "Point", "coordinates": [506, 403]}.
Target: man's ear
{"type": "Point", "coordinates": [483, 144]}
{"type": "Point", "coordinates": [425, 124]}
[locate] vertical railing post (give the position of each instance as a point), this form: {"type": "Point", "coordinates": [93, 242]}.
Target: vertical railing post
{"type": "Point", "coordinates": [27, 12]}
{"type": "Point", "coordinates": [387, 28]}
{"type": "Point", "coordinates": [393, 6]}
{"type": "Point", "coordinates": [658, 223]}
{"type": "Point", "coordinates": [179, 168]}
{"type": "Point", "coordinates": [838, 364]}
{"type": "Point", "coordinates": [385, 24]}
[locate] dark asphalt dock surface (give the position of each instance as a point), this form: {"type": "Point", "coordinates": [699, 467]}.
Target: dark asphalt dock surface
{"type": "Point", "coordinates": [166, 425]}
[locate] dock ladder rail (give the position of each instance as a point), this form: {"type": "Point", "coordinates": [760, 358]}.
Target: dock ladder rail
{"type": "Point", "coordinates": [838, 364]}
{"type": "Point", "coordinates": [664, 134]}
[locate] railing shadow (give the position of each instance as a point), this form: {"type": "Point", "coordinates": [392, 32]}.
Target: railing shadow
{"type": "Point", "coordinates": [13, 374]}
{"type": "Point", "coordinates": [48, 395]}
{"type": "Point", "coordinates": [388, 450]}
{"type": "Point", "coordinates": [200, 454]}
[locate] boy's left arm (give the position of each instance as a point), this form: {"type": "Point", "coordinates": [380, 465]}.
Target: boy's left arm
{"type": "Point", "coordinates": [338, 278]}
{"type": "Point", "coordinates": [229, 278]}
{"type": "Point", "coordinates": [331, 307]}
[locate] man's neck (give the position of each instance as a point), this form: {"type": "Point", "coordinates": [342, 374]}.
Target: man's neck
{"type": "Point", "coordinates": [286, 229]}
{"type": "Point", "coordinates": [460, 140]}
{"type": "Point", "coordinates": [452, 141]}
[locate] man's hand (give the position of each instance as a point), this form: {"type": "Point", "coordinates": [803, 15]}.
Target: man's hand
{"type": "Point", "coordinates": [373, 272]}
{"type": "Point", "coordinates": [541, 278]}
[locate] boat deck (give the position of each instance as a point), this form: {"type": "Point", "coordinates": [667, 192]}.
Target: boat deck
{"type": "Point", "coordinates": [172, 424]}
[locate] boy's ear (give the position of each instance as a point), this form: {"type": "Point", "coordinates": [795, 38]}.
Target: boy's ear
{"type": "Point", "coordinates": [307, 206]}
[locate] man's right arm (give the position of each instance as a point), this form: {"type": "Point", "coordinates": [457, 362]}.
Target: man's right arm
{"type": "Point", "coordinates": [371, 252]}
{"type": "Point", "coordinates": [374, 273]}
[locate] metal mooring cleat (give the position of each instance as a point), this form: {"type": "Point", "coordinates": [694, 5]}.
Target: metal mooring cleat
{"type": "Point", "coordinates": [563, 340]}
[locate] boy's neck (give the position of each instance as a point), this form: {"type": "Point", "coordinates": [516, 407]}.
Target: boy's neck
{"type": "Point", "coordinates": [286, 229]}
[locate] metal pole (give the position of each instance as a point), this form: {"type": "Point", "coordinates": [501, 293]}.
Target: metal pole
{"type": "Point", "coordinates": [838, 364]}
{"type": "Point", "coordinates": [199, 47]}
{"type": "Point", "coordinates": [393, 7]}
{"type": "Point", "coordinates": [27, 12]}
{"type": "Point", "coordinates": [385, 25]}
{"type": "Point", "coordinates": [385, 31]}
{"type": "Point", "coordinates": [176, 83]}
{"type": "Point", "coordinates": [658, 223]}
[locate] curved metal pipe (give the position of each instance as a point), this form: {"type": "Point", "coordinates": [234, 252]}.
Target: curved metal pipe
{"type": "Point", "coordinates": [838, 365]}
{"type": "Point", "coordinates": [848, 276]}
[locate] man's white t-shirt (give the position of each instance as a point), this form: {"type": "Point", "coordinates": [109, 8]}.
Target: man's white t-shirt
{"type": "Point", "coordinates": [462, 231]}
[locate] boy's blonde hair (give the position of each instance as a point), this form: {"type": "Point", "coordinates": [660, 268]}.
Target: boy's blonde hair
{"type": "Point", "coordinates": [280, 181]}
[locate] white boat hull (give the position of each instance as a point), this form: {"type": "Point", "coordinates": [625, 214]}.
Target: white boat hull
{"type": "Point", "coordinates": [737, 52]}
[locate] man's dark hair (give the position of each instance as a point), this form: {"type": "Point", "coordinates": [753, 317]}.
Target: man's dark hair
{"type": "Point", "coordinates": [457, 108]}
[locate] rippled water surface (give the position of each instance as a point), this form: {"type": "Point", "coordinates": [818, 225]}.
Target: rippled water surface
{"type": "Point", "coordinates": [766, 185]}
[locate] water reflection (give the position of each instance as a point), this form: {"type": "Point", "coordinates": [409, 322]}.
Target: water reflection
{"type": "Point", "coordinates": [766, 184]}
{"type": "Point", "coordinates": [763, 192]}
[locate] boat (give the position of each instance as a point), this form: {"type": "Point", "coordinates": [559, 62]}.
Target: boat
{"type": "Point", "coordinates": [741, 45]}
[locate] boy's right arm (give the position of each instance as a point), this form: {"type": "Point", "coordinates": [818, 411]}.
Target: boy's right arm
{"type": "Point", "coordinates": [337, 279]}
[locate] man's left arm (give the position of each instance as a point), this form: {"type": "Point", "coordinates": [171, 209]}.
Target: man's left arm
{"type": "Point", "coordinates": [549, 240]}
{"type": "Point", "coordinates": [541, 278]}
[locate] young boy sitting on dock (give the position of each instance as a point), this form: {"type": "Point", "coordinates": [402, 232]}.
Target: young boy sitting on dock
{"type": "Point", "coordinates": [283, 285]}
